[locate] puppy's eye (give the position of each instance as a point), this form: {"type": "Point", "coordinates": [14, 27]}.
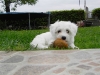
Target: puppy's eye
{"type": "Point", "coordinates": [67, 31]}
{"type": "Point", "coordinates": [59, 31]}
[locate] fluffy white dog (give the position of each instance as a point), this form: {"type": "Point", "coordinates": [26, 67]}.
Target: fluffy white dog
{"type": "Point", "coordinates": [65, 30]}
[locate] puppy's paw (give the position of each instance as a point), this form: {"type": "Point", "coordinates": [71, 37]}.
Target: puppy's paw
{"type": "Point", "coordinates": [50, 44]}
{"type": "Point", "coordinates": [73, 46]}
{"type": "Point", "coordinates": [42, 47]}
{"type": "Point", "coordinates": [76, 47]}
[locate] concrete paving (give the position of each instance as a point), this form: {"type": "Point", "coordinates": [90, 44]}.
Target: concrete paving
{"type": "Point", "coordinates": [50, 62]}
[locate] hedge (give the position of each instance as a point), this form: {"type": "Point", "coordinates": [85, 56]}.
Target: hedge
{"type": "Point", "coordinates": [65, 15]}
{"type": "Point", "coordinates": [96, 13]}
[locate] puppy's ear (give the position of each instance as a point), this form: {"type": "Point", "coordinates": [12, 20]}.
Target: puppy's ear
{"type": "Point", "coordinates": [53, 27]}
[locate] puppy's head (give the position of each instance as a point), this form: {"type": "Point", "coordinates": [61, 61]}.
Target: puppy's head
{"type": "Point", "coordinates": [63, 29]}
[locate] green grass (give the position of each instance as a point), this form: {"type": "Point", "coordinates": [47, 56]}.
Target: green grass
{"type": "Point", "coordinates": [17, 40]}
{"type": "Point", "coordinates": [86, 38]}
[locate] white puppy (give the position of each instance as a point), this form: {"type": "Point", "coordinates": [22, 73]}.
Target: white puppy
{"type": "Point", "coordinates": [60, 29]}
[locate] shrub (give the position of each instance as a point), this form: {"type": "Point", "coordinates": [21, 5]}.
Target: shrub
{"type": "Point", "coordinates": [96, 13]}
{"type": "Point", "coordinates": [67, 15]}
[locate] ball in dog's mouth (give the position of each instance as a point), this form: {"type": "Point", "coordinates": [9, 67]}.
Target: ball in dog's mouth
{"type": "Point", "coordinates": [60, 43]}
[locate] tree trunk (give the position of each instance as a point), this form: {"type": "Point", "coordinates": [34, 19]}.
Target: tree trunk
{"type": "Point", "coordinates": [7, 5]}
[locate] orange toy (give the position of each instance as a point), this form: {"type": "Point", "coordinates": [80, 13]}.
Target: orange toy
{"type": "Point", "coordinates": [59, 43]}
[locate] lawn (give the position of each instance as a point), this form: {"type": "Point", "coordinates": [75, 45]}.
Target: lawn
{"type": "Point", "coordinates": [17, 40]}
{"type": "Point", "coordinates": [86, 38]}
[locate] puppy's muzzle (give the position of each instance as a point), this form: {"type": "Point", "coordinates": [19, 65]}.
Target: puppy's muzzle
{"type": "Point", "coordinates": [63, 38]}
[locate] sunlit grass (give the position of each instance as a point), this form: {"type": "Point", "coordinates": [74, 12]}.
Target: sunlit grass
{"type": "Point", "coordinates": [17, 40]}
{"type": "Point", "coordinates": [87, 37]}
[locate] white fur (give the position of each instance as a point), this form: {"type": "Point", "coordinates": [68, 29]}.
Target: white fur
{"type": "Point", "coordinates": [66, 28]}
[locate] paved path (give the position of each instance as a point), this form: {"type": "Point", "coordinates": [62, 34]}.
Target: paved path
{"type": "Point", "coordinates": [50, 62]}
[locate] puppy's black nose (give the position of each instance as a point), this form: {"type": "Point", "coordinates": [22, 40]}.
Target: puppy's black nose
{"type": "Point", "coordinates": [63, 37]}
